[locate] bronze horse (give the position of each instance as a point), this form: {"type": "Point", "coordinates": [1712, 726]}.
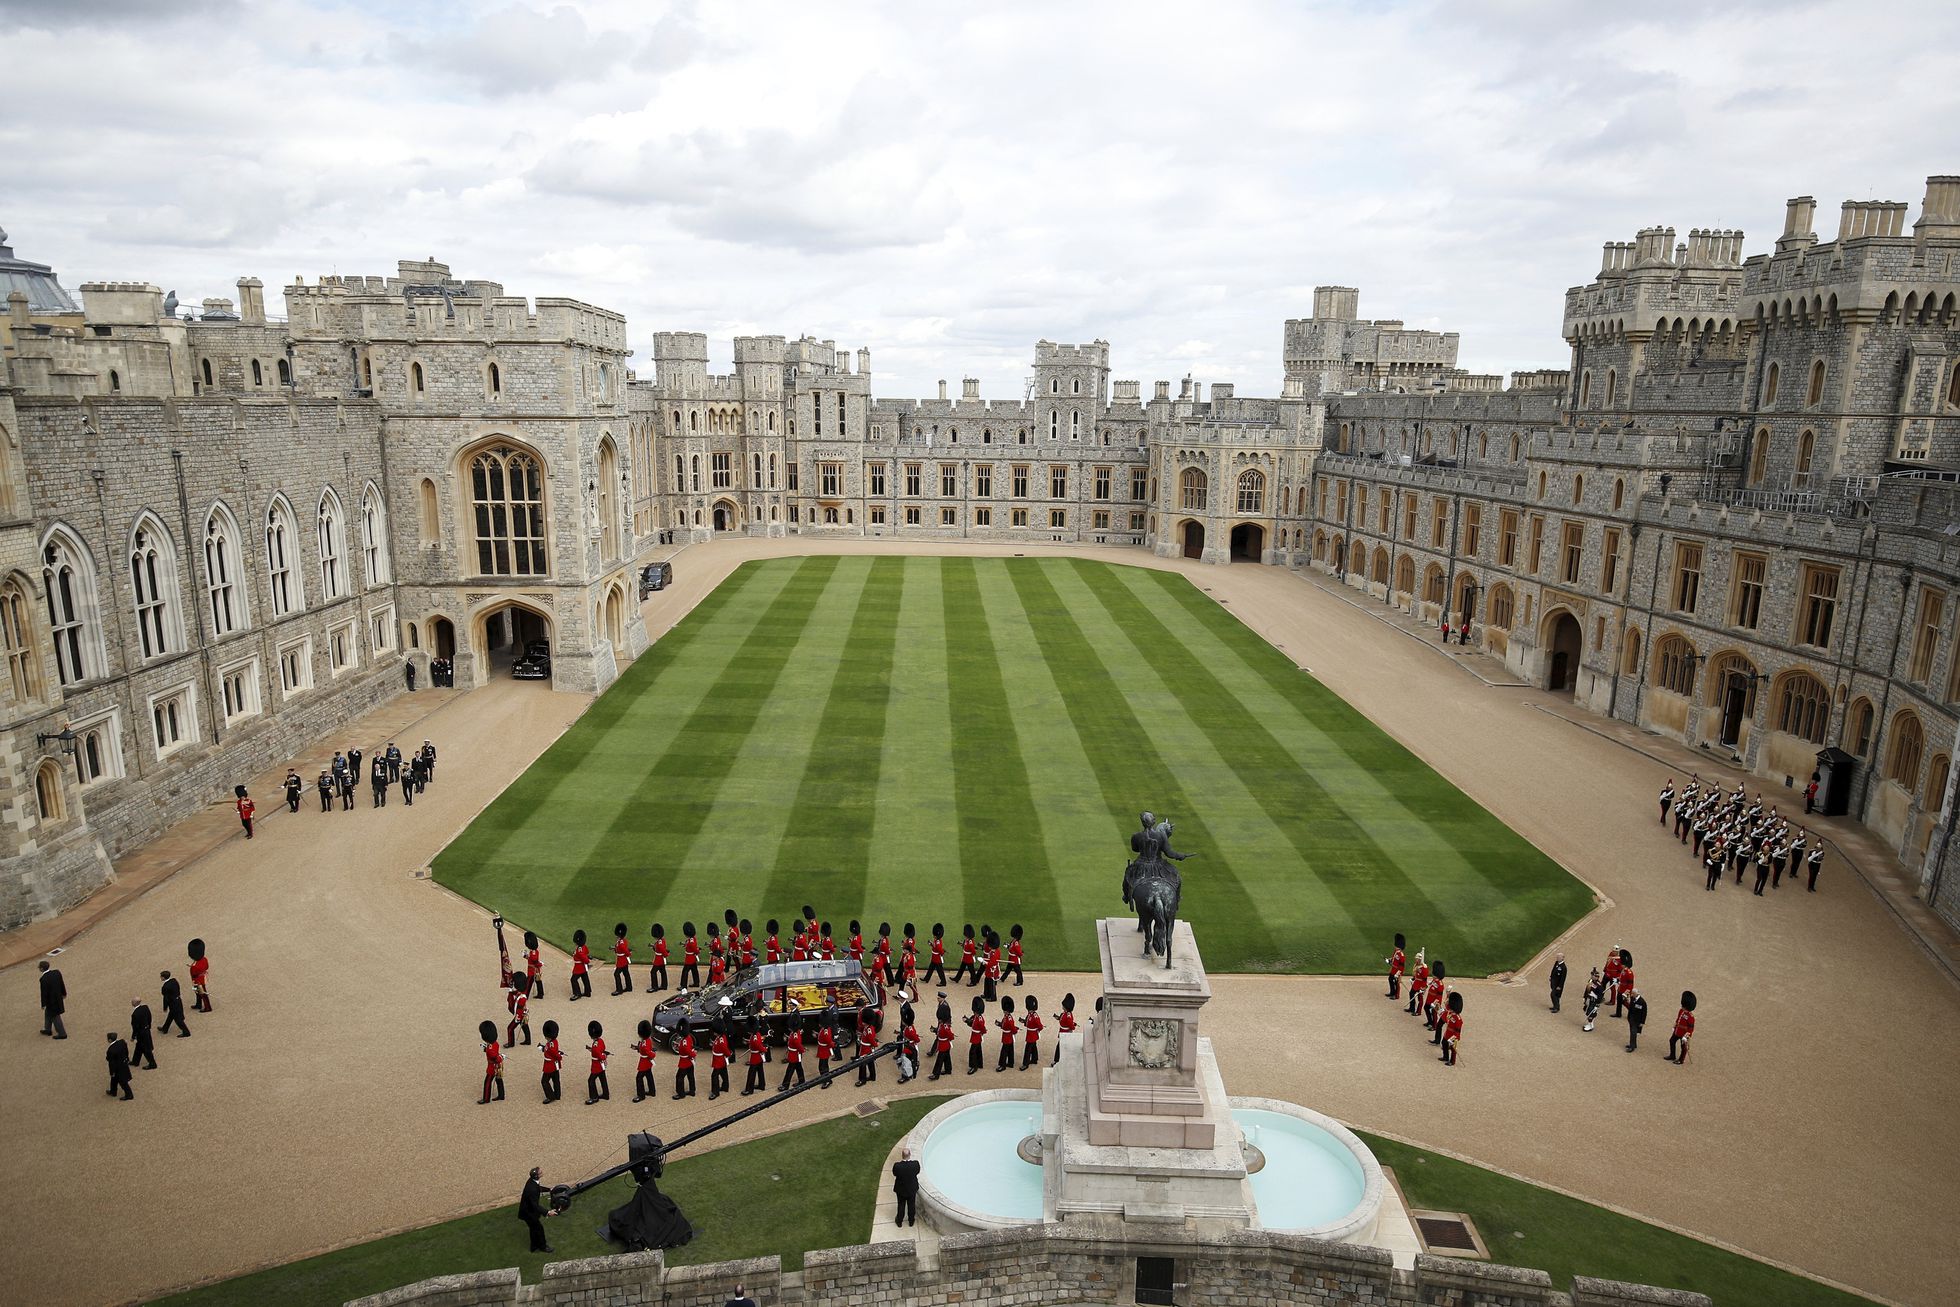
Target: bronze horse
{"type": "Point", "coordinates": [1152, 885]}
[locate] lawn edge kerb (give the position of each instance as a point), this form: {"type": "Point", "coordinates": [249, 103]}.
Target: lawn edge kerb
{"type": "Point", "coordinates": [1494, 882]}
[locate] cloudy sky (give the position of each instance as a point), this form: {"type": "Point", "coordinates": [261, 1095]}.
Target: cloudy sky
{"type": "Point", "coordinates": [948, 183]}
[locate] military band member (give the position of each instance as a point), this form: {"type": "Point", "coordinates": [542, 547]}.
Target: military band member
{"type": "Point", "coordinates": [826, 1049]}
{"type": "Point", "coordinates": [867, 1043]}
{"type": "Point", "coordinates": [1432, 999]}
{"type": "Point", "coordinates": [1418, 983]}
{"type": "Point", "coordinates": [173, 1007]}
{"type": "Point", "coordinates": [1396, 961]}
{"type": "Point", "coordinates": [969, 964]}
{"type": "Point", "coordinates": [1008, 1029]}
{"type": "Point", "coordinates": [977, 1026]}
{"type": "Point", "coordinates": [517, 1000]}
{"type": "Point", "coordinates": [142, 1047]}
{"type": "Point", "coordinates": [533, 980]}
{"type": "Point", "coordinates": [1762, 870]}
{"type": "Point", "coordinates": [595, 1079]}
{"type": "Point", "coordinates": [942, 1044]}
{"type": "Point", "coordinates": [1667, 799]}
{"type": "Point", "coordinates": [1700, 832]}
{"type": "Point", "coordinates": [1623, 989]}
{"type": "Point", "coordinates": [1013, 960]}
{"type": "Point", "coordinates": [1451, 1033]}
{"type": "Point", "coordinates": [1684, 1030]}
{"type": "Point", "coordinates": [1612, 973]}
{"type": "Point", "coordinates": [493, 1061]}
{"type": "Point", "coordinates": [346, 784]}
{"type": "Point", "coordinates": [758, 1054]}
{"type": "Point", "coordinates": [684, 1065]}
{"type": "Point", "coordinates": [657, 973]}
{"type": "Point", "coordinates": [1779, 858]}
{"type": "Point", "coordinates": [792, 1058]}
{"type": "Point", "coordinates": [1814, 863]}
{"type": "Point", "coordinates": [119, 1077]}
{"type": "Point", "coordinates": [717, 1058]}
{"type": "Point", "coordinates": [1595, 990]}
{"type": "Point", "coordinates": [200, 975]}
{"type": "Point", "coordinates": [1558, 979]}
{"type": "Point", "coordinates": [1031, 1024]}
{"type": "Point", "coordinates": [581, 962]}
{"type": "Point", "coordinates": [622, 960]}
{"type": "Point", "coordinates": [690, 957]}
{"type": "Point", "coordinates": [1713, 863]}
{"type": "Point", "coordinates": [936, 958]}
{"type": "Point", "coordinates": [554, 1058]}
{"type": "Point", "coordinates": [643, 1088]}
{"type": "Point", "coordinates": [1636, 1017]}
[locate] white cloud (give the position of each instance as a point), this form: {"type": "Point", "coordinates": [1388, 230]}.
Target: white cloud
{"type": "Point", "coordinates": [946, 186]}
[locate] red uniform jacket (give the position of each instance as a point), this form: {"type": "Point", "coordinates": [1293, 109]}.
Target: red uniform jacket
{"type": "Point", "coordinates": [1418, 981]}
{"type": "Point", "coordinates": [1396, 963]}
{"type": "Point", "coordinates": [772, 950]}
{"type": "Point", "coordinates": [622, 953]}
{"type": "Point", "coordinates": [1684, 1024]}
{"type": "Point", "coordinates": [719, 1050]}
{"type": "Point", "coordinates": [908, 1038]}
{"type": "Point", "coordinates": [867, 1038]}
{"type": "Point", "coordinates": [554, 1057]}
{"type": "Point", "coordinates": [908, 966]}
{"type": "Point", "coordinates": [942, 1038]}
{"type": "Point", "coordinates": [660, 953]}
{"type": "Point", "coordinates": [684, 1050]}
{"type": "Point", "coordinates": [717, 970]}
{"type": "Point", "coordinates": [1453, 1026]}
{"type": "Point", "coordinates": [827, 948]}
{"type": "Point", "coordinates": [1032, 1025]}
{"type": "Point", "coordinates": [1435, 994]}
{"type": "Point", "coordinates": [1065, 1023]}
{"type": "Point", "coordinates": [793, 1048]}
{"type": "Point", "coordinates": [755, 1049]}
{"type": "Point", "coordinates": [519, 1004]}
{"type": "Point", "coordinates": [1013, 952]}
{"type": "Point", "coordinates": [715, 946]}
{"type": "Point", "coordinates": [748, 950]}
{"type": "Point", "coordinates": [199, 970]}
{"type": "Point", "coordinates": [799, 949]}
{"type": "Point", "coordinates": [599, 1055]}
{"type": "Point", "coordinates": [939, 953]}
{"type": "Point", "coordinates": [993, 964]}
{"type": "Point", "coordinates": [645, 1050]}
{"type": "Point", "coordinates": [579, 959]}
{"type": "Point", "coordinates": [826, 1045]}
{"type": "Point", "coordinates": [966, 952]}
{"type": "Point", "coordinates": [493, 1054]}
{"type": "Point", "coordinates": [245, 809]}
{"type": "Point", "coordinates": [1007, 1029]}
{"type": "Point", "coordinates": [691, 952]}
{"type": "Point", "coordinates": [978, 1025]}
{"type": "Point", "coordinates": [532, 963]}
{"type": "Point", "coordinates": [857, 948]}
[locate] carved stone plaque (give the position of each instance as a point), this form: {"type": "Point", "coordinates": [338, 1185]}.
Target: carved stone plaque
{"type": "Point", "coordinates": [1153, 1042]}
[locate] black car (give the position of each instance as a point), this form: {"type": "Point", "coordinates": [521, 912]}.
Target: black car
{"type": "Point", "coordinates": [535, 664]}
{"type": "Point", "coordinates": [782, 994]}
{"type": "Point", "coordinates": [655, 576]}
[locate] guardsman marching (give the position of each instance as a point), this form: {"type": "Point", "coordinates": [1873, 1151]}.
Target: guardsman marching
{"type": "Point", "coordinates": [554, 1058]}
{"type": "Point", "coordinates": [1396, 961]}
{"type": "Point", "coordinates": [246, 809]}
{"type": "Point", "coordinates": [622, 961]}
{"type": "Point", "coordinates": [854, 947]}
{"type": "Point", "coordinates": [690, 957]}
{"type": "Point", "coordinates": [517, 1001]}
{"type": "Point", "coordinates": [581, 960]}
{"type": "Point", "coordinates": [758, 1053]}
{"type": "Point", "coordinates": [1432, 999]}
{"type": "Point", "coordinates": [968, 960]}
{"type": "Point", "coordinates": [936, 959]}
{"type": "Point", "coordinates": [908, 967]}
{"type": "Point", "coordinates": [1684, 1030]}
{"type": "Point", "coordinates": [909, 943]}
{"type": "Point", "coordinates": [1418, 983]}
{"type": "Point", "coordinates": [942, 1044]}
{"type": "Point", "coordinates": [493, 1061]}
{"type": "Point", "coordinates": [867, 1043]}
{"type": "Point", "coordinates": [908, 1044]}
{"type": "Point", "coordinates": [992, 965]}
{"type": "Point", "coordinates": [1814, 863]}
{"type": "Point", "coordinates": [1667, 799]}
{"type": "Point", "coordinates": [1008, 1029]}
{"type": "Point", "coordinates": [684, 1065]}
{"type": "Point", "coordinates": [1625, 988]}
{"type": "Point", "coordinates": [826, 1048]}
{"type": "Point", "coordinates": [717, 1057]}
{"type": "Point", "coordinates": [596, 1087]}
{"type": "Point", "coordinates": [977, 1025]}
{"type": "Point", "coordinates": [772, 947]}
{"type": "Point", "coordinates": [792, 1058]}
{"type": "Point", "coordinates": [200, 975]}
{"type": "Point", "coordinates": [533, 965]}
{"type": "Point", "coordinates": [1031, 1027]}
{"type": "Point", "coordinates": [657, 974]}
{"type": "Point", "coordinates": [643, 1074]}
{"type": "Point", "coordinates": [799, 943]}
{"type": "Point", "coordinates": [716, 952]}
{"type": "Point", "coordinates": [826, 947]}
{"type": "Point", "coordinates": [1013, 960]}
{"type": "Point", "coordinates": [882, 956]}
{"type": "Point", "coordinates": [1452, 1031]}
{"type": "Point", "coordinates": [717, 968]}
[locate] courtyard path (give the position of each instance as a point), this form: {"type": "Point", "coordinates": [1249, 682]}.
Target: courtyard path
{"type": "Point", "coordinates": [330, 1097]}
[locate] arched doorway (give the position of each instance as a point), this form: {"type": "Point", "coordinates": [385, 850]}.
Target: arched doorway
{"type": "Point", "coordinates": [1564, 644]}
{"type": "Point", "coordinates": [1248, 542]}
{"type": "Point", "coordinates": [442, 635]}
{"type": "Point", "coordinates": [1194, 539]}
{"type": "Point", "coordinates": [615, 619]}
{"type": "Point", "coordinates": [726, 516]}
{"type": "Point", "coordinates": [501, 635]}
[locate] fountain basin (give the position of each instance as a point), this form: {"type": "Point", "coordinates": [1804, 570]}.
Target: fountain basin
{"type": "Point", "coordinates": [971, 1176]}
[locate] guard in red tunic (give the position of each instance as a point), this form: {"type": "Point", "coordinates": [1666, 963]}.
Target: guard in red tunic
{"type": "Point", "coordinates": [517, 1000]}
{"type": "Point", "coordinates": [533, 965]}
{"type": "Point", "coordinates": [581, 959]}
{"type": "Point", "coordinates": [1624, 994]}
{"type": "Point", "coordinates": [657, 977]}
{"type": "Point", "coordinates": [554, 1058]}
{"type": "Point", "coordinates": [718, 1053]}
{"type": "Point", "coordinates": [855, 946]}
{"type": "Point", "coordinates": [690, 957]}
{"type": "Point", "coordinates": [684, 1065]}
{"type": "Point", "coordinates": [716, 949]}
{"type": "Point", "coordinates": [717, 969]}
{"type": "Point", "coordinates": [826, 1050]}
{"type": "Point", "coordinates": [595, 1080]}
{"type": "Point", "coordinates": [1684, 1029]}
{"type": "Point", "coordinates": [622, 961]}
{"type": "Point", "coordinates": [1064, 1023]}
{"type": "Point", "coordinates": [1418, 983]}
{"type": "Point", "coordinates": [908, 968]}
{"type": "Point", "coordinates": [936, 960]}
{"type": "Point", "coordinates": [908, 1045]}
{"type": "Point", "coordinates": [772, 947]}
{"type": "Point", "coordinates": [493, 1061]}
{"type": "Point", "coordinates": [1432, 999]}
{"type": "Point", "coordinates": [1396, 961]}
{"type": "Point", "coordinates": [246, 808]}
{"type": "Point", "coordinates": [909, 944]}
{"type": "Point", "coordinates": [1031, 1028]}
{"type": "Point", "coordinates": [758, 1053]}
{"type": "Point", "coordinates": [977, 1026]}
{"type": "Point", "coordinates": [200, 975]}
{"type": "Point", "coordinates": [992, 991]}
{"type": "Point", "coordinates": [643, 1074]}
{"type": "Point", "coordinates": [942, 1044]}
{"type": "Point", "coordinates": [1013, 960]}
{"type": "Point", "coordinates": [1611, 975]}
{"type": "Point", "coordinates": [1452, 1028]}
{"type": "Point", "coordinates": [826, 947]}
{"type": "Point", "coordinates": [1008, 1029]}
{"type": "Point", "coordinates": [881, 958]}
{"type": "Point", "coordinates": [799, 943]}
{"type": "Point", "coordinates": [969, 965]}
{"type": "Point", "coordinates": [867, 1043]}
{"type": "Point", "coordinates": [792, 1058]}
{"type": "Point", "coordinates": [748, 942]}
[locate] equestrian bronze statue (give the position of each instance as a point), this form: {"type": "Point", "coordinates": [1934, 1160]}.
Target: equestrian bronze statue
{"type": "Point", "coordinates": [1152, 885]}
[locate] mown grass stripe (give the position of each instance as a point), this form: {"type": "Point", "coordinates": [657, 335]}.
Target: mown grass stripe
{"type": "Point", "coordinates": [1327, 839]}
{"type": "Point", "coordinates": [1001, 867]}
{"type": "Point", "coordinates": [914, 867]}
{"type": "Point", "coordinates": [1127, 764]}
{"type": "Point", "coordinates": [821, 856]}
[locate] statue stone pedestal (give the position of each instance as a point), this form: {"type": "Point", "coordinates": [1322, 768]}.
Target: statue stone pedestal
{"type": "Point", "coordinates": [1135, 1122]}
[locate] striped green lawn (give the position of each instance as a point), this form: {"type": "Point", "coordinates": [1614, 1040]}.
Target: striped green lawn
{"type": "Point", "coordinates": [970, 739]}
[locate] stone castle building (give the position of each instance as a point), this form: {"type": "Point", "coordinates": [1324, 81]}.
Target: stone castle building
{"type": "Point", "coordinates": [1734, 520]}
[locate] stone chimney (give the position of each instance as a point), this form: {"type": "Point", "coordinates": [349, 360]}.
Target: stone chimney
{"type": "Point", "coordinates": [1939, 216]}
{"type": "Point", "coordinates": [970, 388]}
{"type": "Point", "coordinates": [864, 362]}
{"type": "Point", "coordinates": [251, 301]}
{"type": "Point", "coordinates": [942, 391]}
{"type": "Point", "coordinates": [1163, 390]}
{"type": "Point", "coordinates": [1798, 217]}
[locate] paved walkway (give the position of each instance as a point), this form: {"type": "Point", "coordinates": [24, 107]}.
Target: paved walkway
{"type": "Point", "coordinates": [331, 1097]}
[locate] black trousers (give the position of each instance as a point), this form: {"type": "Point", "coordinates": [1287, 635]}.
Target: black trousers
{"type": "Point", "coordinates": [1664, 807]}
{"type": "Point", "coordinates": [1633, 1036]}
{"type": "Point", "coordinates": [143, 1052]}
{"type": "Point", "coordinates": [690, 975]}
{"type": "Point", "coordinates": [1030, 1054]}
{"type": "Point", "coordinates": [536, 1226]}
{"type": "Point", "coordinates": [1415, 997]}
{"type": "Point", "coordinates": [684, 1076]}
{"type": "Point", "coordinates": [380, 796]}
{"type": "Point", "coordinates": [326, 800]}
{"type": "Point", "coordinates": [907, 1208]}
{"type": "Point", "coordinates": [867, 1071]}
{"type": "Point", "coordinates": [171, 1015]}
{"type": "Point", "coordinates": [1714, 875]}
{"type": "Point", "coordinates": [1394, 985]}
{"type": "Point", "coordinates": [1014, 967]}
{"type": "Point", "coordinates": [292, 801]}
{"type": "Point", "coordinates": [1005, 1062]}
{"type": "Point", "coordinates": [717, 1081]}
{"type": "Point", "coordinates": [1557, 992]}
{"type": "Point", "coordinates": [792, 1072]}
{"type": "Point", "coordinates": [942, 1063]}
{"type": "Point", "coordinates": [1449, 1052]}
{"type": "Point", "coordinates": [974, 1058]}
{"type": "Point", "coordinates": [990, 993]}
{"type": "Point", "coordinates": [347, 799]}
{"type": "Point", "coordinates": [51, 1024]}
{"type": "Point", "coordinates": [936, 969]}
{"type": "Point", "coordinates": [554, 1088]}
{"type": "Point", "coordinates": [1815, 867]}
{"type": "Point", "coordinates": [596, 1087]}
{"type": "Point", "coordinates": [493, 1078]}
{"type": "Point", "coordinates": [510, 1031]}
{"type": "Point", "coordinates": [120, 1082]}
{"type": "Point", "coordinates": [408, 791]}
{"type": "Point", "coordinates": [755, 1079]}
{"type": "Point", "coordinates": [967, 969]}
{"type": "Point", "coordinates": [537, 985]}
{"type": "Point", "coordinates": [581, 984]}
{"type": "Point", "coordinates": [1762, 876]}
{"type": "Point", "coordinates": [657, 977]}
{"type": "Point", "coordinates": [823, 1069]}
{"type": "Point", "coordinates": [1776, 874]}
{"type": "Point", "coordinates": [643, 1085]}
{"type": "Point", "coordinates": [622, 980]}
{"type": "Point", "coordinates": [1672, 1042]}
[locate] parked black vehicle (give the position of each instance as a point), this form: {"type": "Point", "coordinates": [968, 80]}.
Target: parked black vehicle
{"type": "Point", "coordinates": [655, 576]}
{"type": "Point", "coordinates": [535, 664]}
{"type": "Point", "coordinates": [782, 994]}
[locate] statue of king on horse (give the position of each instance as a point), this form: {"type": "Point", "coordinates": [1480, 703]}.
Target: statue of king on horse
{"type": "Point", "coordinates": [1152, 885]}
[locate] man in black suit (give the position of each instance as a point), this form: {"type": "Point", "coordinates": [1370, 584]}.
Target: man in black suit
{"type": "Point", "coordinates": [54, 1001]}
{"type": "Point", "coordinates": [119, 1066]}
{"type": "Point", "coordinates": [1636, 1019]}
{"type": "Point", "coordinates": [905, 1184]}
{"type": "Point", "coordinates": [173, 1007]}
{"type": "Point", "coordinates": [142, 1050]}
{"type": "Point", "coordinates": [532, 1211]}
{"type": "Point", "coordinates": [741, 1298]}
{"type": "Point", "coordinates": [1558, 980]}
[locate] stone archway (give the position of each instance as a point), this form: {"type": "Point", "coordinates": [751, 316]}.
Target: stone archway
{"type": "Point", "coordinates": [1194, 539]}
{"type": "Point", "coordinates": [499, 634]}
{"type": "Point", "coordinates": [442, 637]}
{"type": "Point", "coordinates": [614, 619]}
{"type": "Point", "coordinates": [1248, 542]}
{"type": "Point", "coordinates": [1564, 645]}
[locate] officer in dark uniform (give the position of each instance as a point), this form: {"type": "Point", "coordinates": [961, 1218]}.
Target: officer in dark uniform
{"type": "Point", "coordinates": [394, 757]}
{"type": "Point", "coordinates": [173, 1007]}
{"type": "Point", "coordinates": [142, 1047]}
{"type": "Point", "coordinates": [1558, 979]}
{"type": "Point", "coordinates": [295, 787]}
{"type": "Point", "coordinates": [1636, 1019]}
{"type": "Point", "coordinates": [406, 775]}
{"type": "Point", "coordinates": [354, 764]}
{"type": "Point", "coordinates": [345, 782]}
{"type": "Point", "coordinates": [326, 791]}
{"type": "Point", "coordinates": [378, 780]}
{"type": "Point", "coordinates": [119, 1067]}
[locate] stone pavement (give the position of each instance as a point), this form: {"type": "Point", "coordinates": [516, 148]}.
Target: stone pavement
{"type": "Point", "coordinates": [331, 1097]}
